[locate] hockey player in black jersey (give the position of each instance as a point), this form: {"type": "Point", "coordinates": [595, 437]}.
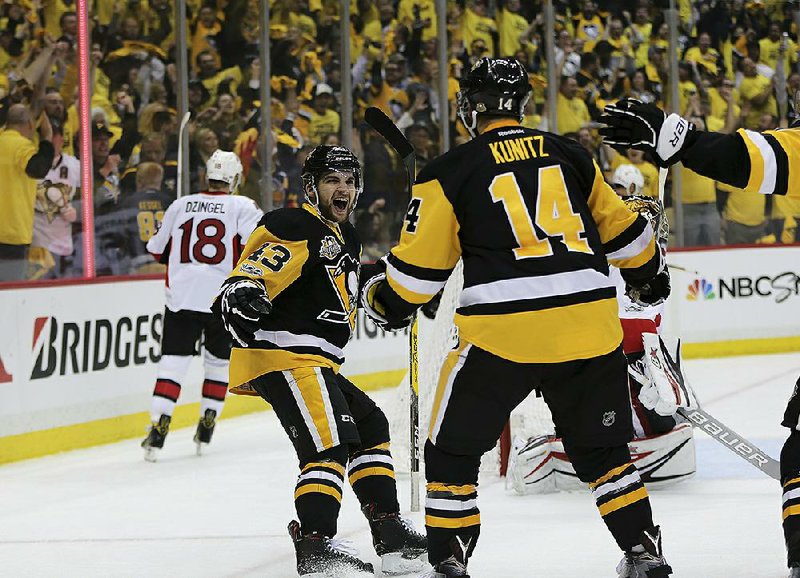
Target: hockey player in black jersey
{"type": "Point", "coordinates": [536, 226]}
{"type": "Point", "coordinates": [290, 305]}
{"type": "Point", "coordinates": [759, 162]}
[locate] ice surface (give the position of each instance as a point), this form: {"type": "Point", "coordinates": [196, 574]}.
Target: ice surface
{"type": "Point", "coordinates": [106, 512]}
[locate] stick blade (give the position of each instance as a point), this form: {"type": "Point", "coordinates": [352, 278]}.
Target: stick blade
{"type": "Point", "coordinates": [378, 120]}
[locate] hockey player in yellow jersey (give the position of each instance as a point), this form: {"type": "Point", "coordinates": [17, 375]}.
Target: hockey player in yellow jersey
{"type": "Point", "coordinates": [759, 162]}
{"type": "Point", "coordinates": [536, 226]}
{"type": "Point", "coordinates": [290, 306]}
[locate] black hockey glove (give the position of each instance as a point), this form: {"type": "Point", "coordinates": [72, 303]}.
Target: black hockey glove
{"type": "Point", "coordinates": [653, 292]}
{"type": "Point", "coordinates": [430, 309]}
{"type": "Point", "coordinates": [243, 302]}
{"type": "Point", "coordinates": [631, 123]}
{"type": "Point", "coordinates": [372, 277]}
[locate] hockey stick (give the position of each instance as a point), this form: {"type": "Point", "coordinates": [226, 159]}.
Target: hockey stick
{"type": "Point", "coordinates": [733, 441]}
{"type": "Point", "coordinates": [181, 130]}
{"type": "Point", "coordinates": [384, 126]}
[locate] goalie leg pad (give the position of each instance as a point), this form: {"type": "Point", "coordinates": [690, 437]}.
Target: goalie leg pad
{"type": "Point", "coordinates": [540, 465]}
{"type": "Point", "coordinates": [665, 459]}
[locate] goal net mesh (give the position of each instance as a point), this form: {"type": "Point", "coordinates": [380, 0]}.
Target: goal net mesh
{"type": "Point", "coordinates": [436, 338]}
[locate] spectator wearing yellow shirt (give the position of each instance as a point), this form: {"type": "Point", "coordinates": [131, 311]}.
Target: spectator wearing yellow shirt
{"type": "Point", "coordinates": [704, 55]}
{"type": "Point", "coordinates": [206, 27]}
{"type": "Point", "coordinates": [324, 119]}
{"type": "Point", "coordinates": [588, 26]}
{"type": "Point", "coordinates": [636, 158]}
{"type": "Point", "coordinates": [511, 25]}
{"type": "Point", "coordinates": [756, 90]}
{"type": "Point", "coordinates": [407, 14]}
{"type": "Point", "coordinates": [21, 165]}
{"type": "Point", "coordinates": [723, 97]}
{"type": "Point", "coordinates": [619, 42]}
{"type": "Point", "coordinates": [773, 45]}
{"type": "Point", "coordinates": [571, 111]}
{"type": "Point", "coordinates": [375, 30]}
{"type": "Point", "coordinates": [686, 86]}
{"type": "Point", "coordinates": [387, 88]}
{"type": "Point", "coordinates": [701, 219]}
{"type": "Point", "coordinates": [211, 76]}
{"type": "Point", "coordinates": [476, 25]}
{"type": "Point", "coordinates": [639, 32]}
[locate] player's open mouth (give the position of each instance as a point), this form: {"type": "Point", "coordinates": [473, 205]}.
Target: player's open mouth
{"type": "Point", "coordinates": [341, 204]}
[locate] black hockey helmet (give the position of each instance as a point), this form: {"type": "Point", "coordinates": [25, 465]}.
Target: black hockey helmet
{"type": "Point", "coordinates": [493, 87]}
{"type": "Point", "coordinates": [325, 159]}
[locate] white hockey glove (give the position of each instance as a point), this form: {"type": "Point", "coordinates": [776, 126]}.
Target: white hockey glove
{"type": "Point", "coordinates": [665, 389]}
{"type": "Point", "coordinates": [243, 302]}
{"type": "Point", "coordinates": [632, 123]}
{"type": "Point", "coordinates": [375, 276]}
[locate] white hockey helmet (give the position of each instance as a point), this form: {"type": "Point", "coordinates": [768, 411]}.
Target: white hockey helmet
{"type": "Point", "coordinates": [629, 178]}
{"type": "Point", "coordinates": [226, 167]}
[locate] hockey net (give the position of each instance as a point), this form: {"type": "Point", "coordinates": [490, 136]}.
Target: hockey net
{"type": "Point", "coordinates": [436, 338]}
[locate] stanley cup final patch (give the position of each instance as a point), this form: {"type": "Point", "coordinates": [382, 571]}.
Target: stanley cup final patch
{"type": "Point", "coordinates": [329, 248]}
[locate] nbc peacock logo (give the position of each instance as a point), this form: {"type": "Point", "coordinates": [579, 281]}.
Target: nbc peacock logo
{"type": "Point", "coordinates": [700, 290]}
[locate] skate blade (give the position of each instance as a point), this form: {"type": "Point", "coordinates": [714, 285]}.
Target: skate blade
{"type": "Point", "coordinates": [151, 454]}
{"type": "Point", "coordinates": [395, 564]}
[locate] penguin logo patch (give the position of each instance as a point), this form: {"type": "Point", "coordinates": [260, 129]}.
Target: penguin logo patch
{"type": "Point", "coordinates": [329, 248]}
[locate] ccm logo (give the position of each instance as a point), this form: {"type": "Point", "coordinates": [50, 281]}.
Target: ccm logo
{"type": "Point", "coordinates": [715, 430]}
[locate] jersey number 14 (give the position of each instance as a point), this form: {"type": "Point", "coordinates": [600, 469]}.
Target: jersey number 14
{"type": "Point", "coordinates": [554, 214]}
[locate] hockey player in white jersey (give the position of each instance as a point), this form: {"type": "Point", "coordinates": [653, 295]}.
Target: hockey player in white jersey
{"type": "Point", "coordinates": [663, 445]}
{"type": "Point", "coordinates": [200, 240]}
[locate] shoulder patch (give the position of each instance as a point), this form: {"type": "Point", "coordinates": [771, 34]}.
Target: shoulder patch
{"type": "Point", "coordinates": [329, 247]}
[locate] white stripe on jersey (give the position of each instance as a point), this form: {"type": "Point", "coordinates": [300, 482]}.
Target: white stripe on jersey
{"type": "Point", "coordinates": [767, 186]}
{"type": "Point", "coordinates": [286, 339]}
{"type": "Point", "coordinates": [200, 262]}
{"type": "Point", "coordinates": [635, 247]}
{"type": "Point", "coordinates": [554, 285]}
{"type": "Point", "coordinates": [412, 283]}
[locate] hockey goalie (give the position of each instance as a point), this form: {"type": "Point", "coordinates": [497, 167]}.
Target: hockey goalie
{"type": "Point", "coordinates": [663, 445]}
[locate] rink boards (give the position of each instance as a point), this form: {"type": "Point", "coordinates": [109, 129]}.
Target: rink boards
{"type": "Point", "coordinates": [78, 360]}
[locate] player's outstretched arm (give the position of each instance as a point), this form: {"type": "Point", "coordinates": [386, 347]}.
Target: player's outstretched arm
{"type": "Point", "coordinates": [241, 304]}
{"type": "Point", "coordinates": [756, 162]}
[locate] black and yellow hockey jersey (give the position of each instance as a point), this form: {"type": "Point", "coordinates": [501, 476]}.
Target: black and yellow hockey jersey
{"type": "Point", "coordinates": [759, 162]}
{"type": "Point", "coordinates": [310, 270]}
{"type": "Point", "coordinates": [536, 226]}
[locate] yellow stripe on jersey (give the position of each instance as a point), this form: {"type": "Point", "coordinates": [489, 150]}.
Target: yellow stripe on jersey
{"type": "Point", "coordinates": [789, 140]}
{"type": "Point", "coordinates": [464, 490]}
{"type": "Point", "coordinates": [355, 476]}
{"type": "Point", "coordinates": [276, 262]}
{"type": "Point", "coordinates": [564, 333]}
{"type": "Point", "coordinates": [249, 363]}
{"type": "Point", "coordinates": [791, 511]}
{"type": "Point", "coordinates": [429, 240]}
{"type": "Point", "coordinates": [318, 489]}
{"type": "Point", "coordinates": [335, 466]}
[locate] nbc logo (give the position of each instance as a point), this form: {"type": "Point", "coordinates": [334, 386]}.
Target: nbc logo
{"type": "Point", "coordinates": [700, 289]}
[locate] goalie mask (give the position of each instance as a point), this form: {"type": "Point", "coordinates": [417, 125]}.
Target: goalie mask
{"type": "Point", "coordinates": [326, 159]}
{"type": "Point", "coordinates": [652, 210]}
{"type": "Point", "coordinates": [225, 167]}
{"type": "Point", "coordinates": [497, 87]}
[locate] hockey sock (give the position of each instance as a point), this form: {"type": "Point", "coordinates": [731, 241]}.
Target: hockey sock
{"type": "Point", "coordinates": [371, 473]}
{"type": "Point", "coordinates": [215, 385]}
{"type": "Point", "coordinates": [452, 518]}
{"type": "Point", "coordinates": [618, 491]}
{"type": "Point", "coordinates": [171, 371]}
{"type": "Point", "coordinates": [213, 396]}
{"type": "Point", "coordinates": [318, 493]}
{"type": "Point", "coordinates": [790, 477]}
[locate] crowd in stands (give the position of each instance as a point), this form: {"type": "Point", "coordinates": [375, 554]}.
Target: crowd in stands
{"type": "Point", "coordinates": [738, 69]}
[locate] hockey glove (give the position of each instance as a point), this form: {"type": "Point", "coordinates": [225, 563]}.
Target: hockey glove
{"type": "Point", "coordinates": [372, 280]}
{"type": "Point", "coordinates": [631, 123]}
{"type": "Point", "coordinates": [430, 309]}
{"type": "Point", "coordinates": [653, 292]}
{"type": "Point", "coordinates": [243, 302]}
{"type": "Point", "coordinates": [666, 389]}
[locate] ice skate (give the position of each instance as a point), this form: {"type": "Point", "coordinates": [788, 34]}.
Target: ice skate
{"type": "Point", "coordinates": [402, 549]}
{"type": "Point", "coordinates": [319, 556]}
{"type": "Point", "coordinates": [205, 429]}
{"type": "Point", "coordinates": [154, 441]}
{"type": "Point", "coordinates": [450, 568]}
{"type": "Point", "coordinates": [645, 560]}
